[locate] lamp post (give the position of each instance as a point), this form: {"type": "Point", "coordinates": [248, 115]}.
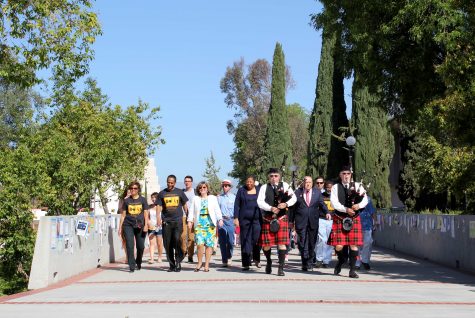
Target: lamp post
{"type": "Point", "coordinates": [350, 142]}
{"type": "Point", "coordinates": [293, 168]}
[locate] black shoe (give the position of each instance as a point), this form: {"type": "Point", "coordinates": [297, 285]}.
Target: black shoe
{"type": "Point", "coordinates": [171, 269]}
{"type": "Point", "coordinates": [324, 265]}
{"type": "Point", "coordinates": [304, 268]}
{"type": "Point", "coordinates": [245, 268]}
{"type": "Point", "coordinates": [178, 267]}
{"type": "Point", "coordinates": [131, 270]}
{"type": "Point", "coordinates": [353, 274]}
{"type": "Point", "coordinates": [268, 268]}
{"type": "Point", "coordinates": [337, 269]}
{"type": "Point", "coordinates": [366, 266]}
{"type": "Point", "coordinates": [280, 271]}
{"type": "Point", "coordinates": [139, 267]}
{"type": "Point", "coordinates": [357, 268]}
{"type": "Point", "coordinates": [190, 259]}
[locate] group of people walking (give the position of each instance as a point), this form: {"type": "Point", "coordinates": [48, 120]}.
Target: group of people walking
{"type": "Point", "coordinates": [324, 217]}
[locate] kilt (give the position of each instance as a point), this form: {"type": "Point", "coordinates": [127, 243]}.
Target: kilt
{"type": "Point", "coordinates": [268, 238]}
{"type": "Point", "coordinates": [340, 237]}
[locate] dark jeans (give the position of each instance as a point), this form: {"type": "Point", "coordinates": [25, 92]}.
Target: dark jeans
{"type": "Point", "coordinates": [172, 231]}
{"type": "Point", "coordinates": [247, 257]}
{"type": "Point", "coordinates": [138, 235]}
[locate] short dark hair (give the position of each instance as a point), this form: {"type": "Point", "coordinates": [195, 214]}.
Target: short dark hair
{"type": "Point", "coordinates": [251, 176]}
{"type": "Point", "coordinates": [328, 182]}
{"type": "Point", "coordinates": [188, 177]}
{"type": "Point", "coordinates": [155, 194]}
{"type": "Point", "coordinates": [273, 170]}
{"type": "Point", "coordinates": [172, 176]}
{"type": "Point", "coordinates": [319, 177]}
{"type": "Point", "coordinates": [345, 168]}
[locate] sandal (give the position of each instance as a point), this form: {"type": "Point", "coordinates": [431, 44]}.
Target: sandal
{"type": "Point", "coordinates": [150, 262]}
{"type": "Point", "coordinates": [206, 270]}
{"type": "Point", "coordinates": [197, 269]}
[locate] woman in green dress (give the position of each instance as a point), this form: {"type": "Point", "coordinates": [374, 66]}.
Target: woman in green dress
{"type": "Point", "coordinates": [205, 214]}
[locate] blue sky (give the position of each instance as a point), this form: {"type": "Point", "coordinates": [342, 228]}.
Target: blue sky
{"type": "Point", "coordinates": [174, 53]}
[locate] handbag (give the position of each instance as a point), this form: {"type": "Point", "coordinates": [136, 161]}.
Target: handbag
{"type": "Point", "coordinates": [274, 225]}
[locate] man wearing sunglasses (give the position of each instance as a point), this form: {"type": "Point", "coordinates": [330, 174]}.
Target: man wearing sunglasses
{"type": "Point", "coordinates": [342, 199]}
{"type": "Point", "coordinates": [226, 232]}
{"type": "Point", "coordinates": [274, 199]}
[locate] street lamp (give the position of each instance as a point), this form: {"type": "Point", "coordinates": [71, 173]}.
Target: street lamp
{"type": "Point", "coordinates": [350, 142]}
{"type": "Point", "coordinates": [293, 168]}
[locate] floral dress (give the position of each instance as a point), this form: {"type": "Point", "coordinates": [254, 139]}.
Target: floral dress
{"type": "Point", "coordinates": [205, 231]}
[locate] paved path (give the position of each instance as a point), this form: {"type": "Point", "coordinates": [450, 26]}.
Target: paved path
{"type": "Point", "coordinates": [396, 286]}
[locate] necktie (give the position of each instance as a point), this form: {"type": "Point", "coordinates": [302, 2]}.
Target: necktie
{"type": "Point", "coordinates": [307, 198]}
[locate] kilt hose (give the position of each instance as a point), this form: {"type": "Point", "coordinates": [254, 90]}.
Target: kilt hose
{"type": "Point", "coordinates": [268, 238]}
{"type": "Point", "coordinates": [340, 237]}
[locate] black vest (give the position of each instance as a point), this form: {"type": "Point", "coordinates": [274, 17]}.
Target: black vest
{"type": "Point", "coordinates": [271, 194]}
{"type": "Point", "coordinates": [343, 195]}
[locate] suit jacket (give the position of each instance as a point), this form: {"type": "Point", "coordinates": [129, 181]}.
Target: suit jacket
{"type": "Point", "coordinates": [302, 214]}
{"type": "Point", "coordinates": [213, 209]}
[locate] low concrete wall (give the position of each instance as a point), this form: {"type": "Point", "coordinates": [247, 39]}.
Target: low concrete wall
{"type": "Point", "coordinates": [60, 253]}
{"type": "Point", "coordinates": [444, 239]}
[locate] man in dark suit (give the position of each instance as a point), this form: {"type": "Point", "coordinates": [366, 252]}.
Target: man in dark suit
{"type": "Point", "coordinates": [304, 215]}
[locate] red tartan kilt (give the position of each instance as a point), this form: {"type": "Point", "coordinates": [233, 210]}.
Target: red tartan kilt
{"type": "Point", "coordinates": [268, 238]}
{"type": "Point", "coordinates": [340, 237]}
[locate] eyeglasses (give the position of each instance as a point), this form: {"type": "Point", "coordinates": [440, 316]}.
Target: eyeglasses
{"type": "Point", "coordinates": [273, 175]}
{"type": "Point", "coordinates": [203, 188]}
{"type": "Point", "coordinates": [188, 181]}
{"type": "Point", "coordinates": [319, 182]}
{"type": "Point", "coordinates": [133, 188]}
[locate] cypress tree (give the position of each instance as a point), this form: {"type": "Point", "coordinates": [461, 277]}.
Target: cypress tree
{"type": "Point", "coordinates": [374, 147]}
{"type": "Point", "coordinates": [326, 153]}
{"type": "Point", "coordinates": [277, 145]}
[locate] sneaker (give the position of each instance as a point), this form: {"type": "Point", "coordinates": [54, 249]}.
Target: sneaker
{"type": "Point", "coordinates": [366, 266]}
{"type": "Point", "coordinates": [318, 264]}
{"type": "Point", "coordinates": [286, 257]}
{"type": "Point", "coordinates": [230, 261]}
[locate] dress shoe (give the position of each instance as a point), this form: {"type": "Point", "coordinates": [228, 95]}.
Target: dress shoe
{"type": "Point", "coordinates": [224, 265]}
{"type": "Point", "coordinates": [190, 259]}
{"type": "Point", "coordinates": [245, 268]}
{"type": "Point", "coordinates": [257, 264]}
{"type": "Point", "coordinates": [353, 274]}
{"type": "Point", "coordinates": [366, 266]}
{"type": "Point", "coordinates": [171, 269]}
{"type": "Point", "coordinates": [305, 268]}
{"type": "Point", "coordinates": [324, 265]}
{"type": "Point", "coordinates": [337, 269]}
{"type": "Point", "coordinates": [178, 267]}
{"type": "Point", "coordinates": [139, 267]}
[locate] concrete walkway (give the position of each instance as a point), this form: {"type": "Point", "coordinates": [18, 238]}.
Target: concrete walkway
{"type": "Point", "coordinates": [396, 286]}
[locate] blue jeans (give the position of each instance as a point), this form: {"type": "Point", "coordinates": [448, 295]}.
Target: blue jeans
{"type": "Point", "coordinates": [226, 239]}
{"type": "Point", "coordinates": [365, 250]}
{"type": "Point", "coordinates": [322, 250]}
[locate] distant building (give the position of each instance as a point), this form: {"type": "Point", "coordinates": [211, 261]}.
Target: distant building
{"type": "Point", "coordinates": [149, 185]}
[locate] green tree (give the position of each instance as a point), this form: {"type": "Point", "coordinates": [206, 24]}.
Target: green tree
{"type": "Point", "coordinates": [298, 120]}
{"type": "Point", "coordinates": [248, 91]}
{"type": "Point", "coordinates": [374, 147]}
{"type": "Point", "coordinates": [17, 107]}
{"type": "Point", "coordinates": [37, 35]}
{"type": "Point", "coordinates": [211, 175]}
{"type": "Point", "coordinates": [23, 178]}
{"type": "Point", "coordinates": [329, 113]}
{"type": "Point", "coordinates": [278, 148]}
{"type": "Point", "coordinates": [419, 56]}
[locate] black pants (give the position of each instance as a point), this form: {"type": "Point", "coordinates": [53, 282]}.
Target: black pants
{"type": "Point", "coordinates": [172, 231]}
{"type": "Point", "coordinates": [247, 257]}
{"type": "Point", "coordinates": [138, 235]}
{"type": "Point", "coordinates": [307, 239]}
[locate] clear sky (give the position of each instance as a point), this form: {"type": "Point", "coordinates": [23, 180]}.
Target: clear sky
{"type": "Point", "coordinates": [174, 53]}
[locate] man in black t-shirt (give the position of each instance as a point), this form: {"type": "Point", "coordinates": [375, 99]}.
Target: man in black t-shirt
{"type": "Point", "coordinates": [172, 202]}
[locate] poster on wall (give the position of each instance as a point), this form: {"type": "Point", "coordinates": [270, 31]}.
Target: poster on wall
{"type": "Point", "coordinates": [53, 234]}
{"type": "Point", "coordinates": [82, 227]}
{"type": "Point", "coordinates": [472, 229]}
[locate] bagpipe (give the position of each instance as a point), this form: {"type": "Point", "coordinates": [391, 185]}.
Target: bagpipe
{"type": "Point", "coordinates": [353, 196]}
{"type": "Point", "coordinates": [280, 196]}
